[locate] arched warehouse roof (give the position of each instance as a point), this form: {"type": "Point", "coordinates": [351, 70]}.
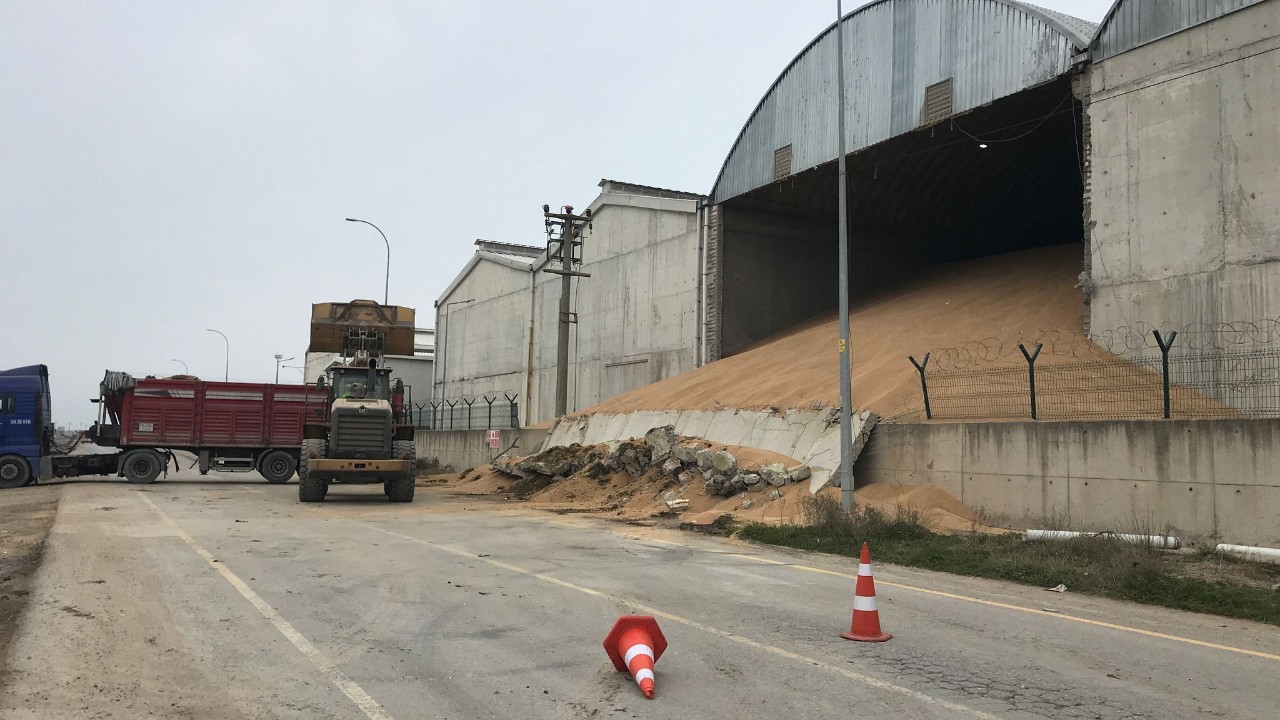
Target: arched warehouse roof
{"type": "Point", "coordinates": [1131, 23]}
{"type": "Point", "coordinates": [908, 64]}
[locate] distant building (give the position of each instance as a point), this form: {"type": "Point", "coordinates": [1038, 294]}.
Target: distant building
{"type": "Point", "coordinates": [415, 370]}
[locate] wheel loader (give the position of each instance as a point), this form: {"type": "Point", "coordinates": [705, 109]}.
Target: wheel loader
{"type": "Point", "coordinates": [365, 436]}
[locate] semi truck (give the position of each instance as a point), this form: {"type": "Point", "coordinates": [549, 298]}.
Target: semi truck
{"type": "Point", "coordinates": [366, 436]}
{"type": "Point", "coordinates": [226, 425]}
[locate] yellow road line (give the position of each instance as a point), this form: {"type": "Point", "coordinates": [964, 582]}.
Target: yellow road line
{"type": "Point", "coordinates": [354, 692]}
{"type": "Point", "coordinates": [755, 644]}
{"type": "Point", "coordinates": [1019, 608]}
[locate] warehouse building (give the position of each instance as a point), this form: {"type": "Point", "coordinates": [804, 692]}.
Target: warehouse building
{"type": "Point", "coordinates": [1147, 145]}
{"type": "Point", "coordinates": [1183, 150]}
{"type": "Point", "coordinates": [637, 315]}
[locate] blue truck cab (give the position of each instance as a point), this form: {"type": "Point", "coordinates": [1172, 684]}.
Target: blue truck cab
{"type": "Point", "coordinates": [26, 426]}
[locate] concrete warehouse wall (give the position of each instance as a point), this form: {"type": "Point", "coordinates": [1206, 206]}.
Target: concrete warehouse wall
{"type": "Point", "coordinates": [464, 449]}
{"type": "Point", "coordinates": [485, 340]}
{"type": "Point", "coordinates": [1203, 479]}
{"type": "Point", "coordinates": [637, 313]}
{"type": "Point", "coordinates": [1183, 146]}
{"type": "Point", "coordinates": [638, 319]}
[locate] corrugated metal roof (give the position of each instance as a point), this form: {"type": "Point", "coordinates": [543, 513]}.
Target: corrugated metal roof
{"type": "Point", "coordinates": [894, 49]}
{"type": "Point", "coordinates": [1130, 23]}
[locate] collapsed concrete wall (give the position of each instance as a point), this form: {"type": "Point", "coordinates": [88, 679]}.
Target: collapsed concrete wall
{"type": "Point", "coordinates": [1182, 182]}
{"type": "Point", "coordinates": [810, 437]}
{"type": "Point", "coordinates": [1210, 479]}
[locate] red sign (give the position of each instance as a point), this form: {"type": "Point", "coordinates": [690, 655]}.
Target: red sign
{"type": "Point", "coordinates": [494, 437]}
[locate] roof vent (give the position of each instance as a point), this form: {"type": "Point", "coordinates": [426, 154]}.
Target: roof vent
{"type": "Point", "coordinates": [937, 103]}
{"type": "Point", "coordinates": [782, 163]}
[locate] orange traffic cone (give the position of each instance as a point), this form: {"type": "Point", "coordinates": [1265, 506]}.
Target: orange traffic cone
{"type": "Point", "coordinates": [866, 619]}
{"type": "Point", "coordinates": [634, 644]}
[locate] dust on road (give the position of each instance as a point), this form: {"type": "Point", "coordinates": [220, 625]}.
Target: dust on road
{"type": "Point", "coordinates": [28, 515]}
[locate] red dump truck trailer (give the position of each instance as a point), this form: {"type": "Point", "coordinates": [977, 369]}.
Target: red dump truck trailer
{"type": "Point", "coordinates": [226, 425]}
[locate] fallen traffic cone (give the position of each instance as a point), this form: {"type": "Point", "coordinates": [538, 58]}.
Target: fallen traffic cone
{"type": "Point", "coordinates": [634, 644]}
{"type": "Point", "coordinates": [866, 619]}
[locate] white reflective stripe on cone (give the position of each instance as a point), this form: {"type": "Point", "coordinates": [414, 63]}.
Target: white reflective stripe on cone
{"type": "Point", "coordinates": [635, 650]}
{"type": "Point", "coordinates": [645, 674]}
{"type": "Point", "coordinates": [864, 603]}
{"type": "Point", "coordinates": [864, 569]}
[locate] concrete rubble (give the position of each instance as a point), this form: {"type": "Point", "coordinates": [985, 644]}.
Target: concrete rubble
{"type": "Point", "coordinates": [812, 437]}
{"type": "Point", "coordinates": [680, 460]}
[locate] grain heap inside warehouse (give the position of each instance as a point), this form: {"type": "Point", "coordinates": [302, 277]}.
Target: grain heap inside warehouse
{"type": "Point", "coordinates": [1017, 178]}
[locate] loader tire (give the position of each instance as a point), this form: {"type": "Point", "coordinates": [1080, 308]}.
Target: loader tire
{"type": "Point", "coordinates": [400, 488]}
{"type": "Point", "coordinates": [311, 489]}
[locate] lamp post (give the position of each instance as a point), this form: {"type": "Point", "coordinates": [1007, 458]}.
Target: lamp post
{"type": "Point", "coordinates": [846, 380]}
{"type": "Point", "coordinates": [444, 369]}
{"type": "Point", "coordinates": [387, 285]}
{"type": "Point", "coordinates": [226, 368]}
{"type": "Point", "coordinates": [185, 371]}
{"type": "Point", "coordinates": [279, 359]}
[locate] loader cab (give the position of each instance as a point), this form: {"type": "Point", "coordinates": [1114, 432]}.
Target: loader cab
{"type": "Point", "coordinates": [360, 384]}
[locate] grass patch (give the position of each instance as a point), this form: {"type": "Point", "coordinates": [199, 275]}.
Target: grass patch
{"type": "Point", "coordinates": [1096, 566]}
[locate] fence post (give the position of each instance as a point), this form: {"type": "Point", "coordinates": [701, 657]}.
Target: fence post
{"type": "Point", "coordinates": [490, 401]}
{"type": "Point", "coordinates": [450, 403]}
{"type": "Point", "coordinates": [515, 409]}
{"type": "Point", "coordinates": [469, 404]}
{"type": "Point", "coordinates": [1031, 370]}
{"type": "Point", "coordinates": [924, 386]}
{"type": "Point", "coordinates": [435, 424]}
{"type": "Point", "coordinates": [1164, 365]}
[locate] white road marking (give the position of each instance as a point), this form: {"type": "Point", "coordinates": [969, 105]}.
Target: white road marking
{"type": "Point", "coordinates": [773, 650]}
{"type": "Point", "coordinates": [362, 699]}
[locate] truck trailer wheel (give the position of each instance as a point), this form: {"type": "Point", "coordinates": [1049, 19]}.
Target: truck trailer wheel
{"type": "Point", "coordinates": [277, 466]}
{"type": "Point", "coordinates": [142, 467]}
{"type": "Point", "coordinates": [14, 471]}
{"type": "Point", "coordinates": [400, 488]}
{"type": "Point", "coordinates": [311, 489]}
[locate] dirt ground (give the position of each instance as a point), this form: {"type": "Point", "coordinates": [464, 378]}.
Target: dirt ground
{"type": "Point", "coordinates": [975, 311]}
{"type": "Point", "coordinates": [27, 516]}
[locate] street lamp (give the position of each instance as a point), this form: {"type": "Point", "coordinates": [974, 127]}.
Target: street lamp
{"type": "Point", "coordinates": [226, 368]}
{"type": "Point", "coordinates": [444, 341]}
{"type": "Point", "coordinates": [185, 371]}
{"type": "Point", "coordinates": [387, 285]}
{"type": "Point", "coordinates": [301, 370]}
{"type": "Point", "coordinates": [279, 359]}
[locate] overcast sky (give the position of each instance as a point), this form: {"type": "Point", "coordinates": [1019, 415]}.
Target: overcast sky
{"type": "Point", "coordinates": [167, 167]}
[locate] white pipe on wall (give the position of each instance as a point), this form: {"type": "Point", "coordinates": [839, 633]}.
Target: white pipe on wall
{"type": "Point", "coordinates": [1249, 552]}
{"type": "Point", "coordinates": [1165, 542]}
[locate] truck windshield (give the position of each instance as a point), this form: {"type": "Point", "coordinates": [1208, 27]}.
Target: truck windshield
{"type": "Point", "coordinates": [355, 384]}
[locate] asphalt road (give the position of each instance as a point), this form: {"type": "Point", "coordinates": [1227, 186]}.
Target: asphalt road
{"type": "Point", "coordinates": [228, 599]}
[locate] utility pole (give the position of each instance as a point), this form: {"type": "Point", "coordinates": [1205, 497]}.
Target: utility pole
{"type": "Point", "coordinates": [565, 233]}
{"type": "Point", "coordinates": [846, 382]}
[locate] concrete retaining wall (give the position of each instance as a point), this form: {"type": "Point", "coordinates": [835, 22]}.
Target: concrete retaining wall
{"type": "Point", "coordinates": [463, 449]}
{"type": "Point", "coordinates": [1212, 479]}
{"type": "Point", "coordinates": [811, 438]}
